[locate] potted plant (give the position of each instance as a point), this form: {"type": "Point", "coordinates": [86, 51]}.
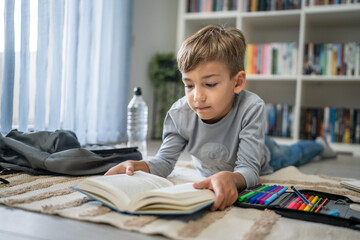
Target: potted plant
{"type": "Point", "coordinates": [165, 77]}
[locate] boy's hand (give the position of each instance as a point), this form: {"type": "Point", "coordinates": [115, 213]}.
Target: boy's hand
{"type": "Point", "coordinates": [128, 167]}
{"type": "Point", "coordinates": [225, 186]}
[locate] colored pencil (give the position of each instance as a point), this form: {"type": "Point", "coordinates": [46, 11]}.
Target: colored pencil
{"type": "Point", "coordinates": [313, 200]}
{"type": "Point", "coordinates": [275, 195]}
{"type": "Point", "coordinates": [301, 196]}
{"type": "Point", "coordinates": [297, 205]}
{"type": "Point", "coordinates": [256, 198]}
{"type": "Point", "coordinates": [268, 194]}
{"type": "Point", "coordinates": [315, 205]}
{"type": "Point", "coordinates": [256, 192]}
{"type": "Point", "coordinates": [288, 199]}
{"type": "Point", "coordinates": [252, 193]}
{"type": "Point", "coordinates": [322, 204]}
{"type": "Point", "coordinates": [302, 207]}
{"type": "Point", "coordinates": [292, 204]}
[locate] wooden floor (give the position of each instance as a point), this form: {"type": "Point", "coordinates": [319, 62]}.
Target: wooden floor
{"type": "Point", "coordinates": [17, 224]}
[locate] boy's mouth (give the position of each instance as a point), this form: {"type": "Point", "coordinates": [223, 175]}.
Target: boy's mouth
{"type": "Point", "coordinates": [202, 108]}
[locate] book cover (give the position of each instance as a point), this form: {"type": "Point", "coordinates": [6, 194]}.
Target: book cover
{"type": "Point", "coordinates": [314, 123]}
{"type": "Point", "coordinates": [357, 126]}
{"type": "Point", "coordinates": [279, 112]}
{"type": "Point", "coordinates": [346, 122]}
{"type": "Point", "coordinates": [254, 58]}
{"type": "Point", "coordinates": [254, 5]}
{"type": "Point", "coordinates": [326, 121]}
{"type": "Point", "coordinates": [320, 122]}
{"type": "Point", "coordinates": [294, 57]}
{"type": "Point", "coordinates": [332, 123]}
{"type": "Point", "coordinates": [268, 59]}
{"type": "Point", "coordinates": [334, 60]}
{"type": "Point", "coordinates": [323, 59]}
{"type": "Point", "coordinates": [329, 59]}
{"type": "Point", "coordinates": [259, 58]}
{"type": "Point", "coordinates": [249, 59]}
{"type": "Point", "coordinates": [352, 125]}
{"type": "Point", "coordinates": [275, 59]}
{"type": "Point", "coordinates": [271, 119]}
{"type": "Point", "coordinates": [284, 125]}
{"type": "Point", "coordinates": [263, 59]}
{"type": "Point", "coordinates": [302, 123]}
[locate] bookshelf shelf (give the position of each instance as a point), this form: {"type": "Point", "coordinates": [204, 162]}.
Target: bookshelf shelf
{"type": "Point", "coordinates": [274, 20]}
{"type": "Point", "coordinates": [330, 78]}
{"type": "Point", "coordinates": [331, 24]}
{"type": "Point", "coordinates": [256, 77]}
{"type": "Point", "coordinates": [330, 9]}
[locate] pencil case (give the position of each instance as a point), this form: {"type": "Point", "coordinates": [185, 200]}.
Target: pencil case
{"type": "Point", "coordinates": [325, 207]}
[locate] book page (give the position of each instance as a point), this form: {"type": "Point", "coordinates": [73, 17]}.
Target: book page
{"type": "Point", "coordinates": [161, 208]}
{"type": "Point", "coordinates": [121, 188]}
{"type": "Point", "coordinates": [174, 197]}
{"type": "Point", "coordinates": [353, 185]}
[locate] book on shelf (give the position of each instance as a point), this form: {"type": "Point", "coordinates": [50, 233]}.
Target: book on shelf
{"type": "Point", "coordinates": [144, 193]}
{"type": "Point", "coordinates": [312, 3]}
{"type": "Point", "coordinates": [332, 59]}
{"type": "Point", "coordinates": [271, 59]}
{"type": "Point", "coordinates": [279, 120]}
{"type": "Point", "coordinates": [340, 125]}
{"type": "Point", "coordinates": [271, 5]}
{"type": "Point", "coordinates": [211, 5]}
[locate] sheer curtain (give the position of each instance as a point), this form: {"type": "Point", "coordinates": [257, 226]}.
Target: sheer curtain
{"type": "Point", "coordinates": [81, 68]}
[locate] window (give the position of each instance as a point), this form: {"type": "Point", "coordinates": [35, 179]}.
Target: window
{"type": "Point", "coordinates": [64, 64]}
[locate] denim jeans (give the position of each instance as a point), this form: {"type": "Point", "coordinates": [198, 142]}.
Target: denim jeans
{"type": "Point", "coordinates": [294, 155]}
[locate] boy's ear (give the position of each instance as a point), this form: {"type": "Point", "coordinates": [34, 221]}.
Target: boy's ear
{"type": "Point", "coordinates": [240, 81]}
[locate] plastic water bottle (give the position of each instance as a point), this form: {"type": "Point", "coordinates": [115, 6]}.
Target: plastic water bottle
{"type": "Point", "coordinates": [137, 122]}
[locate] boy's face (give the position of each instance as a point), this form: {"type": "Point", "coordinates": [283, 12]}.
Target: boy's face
{"type": "Point", "coordinates": [210, 91]}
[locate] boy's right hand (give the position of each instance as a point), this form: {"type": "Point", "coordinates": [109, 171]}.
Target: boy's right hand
{"type": "Point", "coordinates": [128, 167]}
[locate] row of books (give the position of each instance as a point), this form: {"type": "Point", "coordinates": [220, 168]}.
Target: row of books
{"type": "Point", "coordinates": [279, 120]}
{"type": "Point", "coordinates": [271, 5]}
{"type": "Point", "coordinates": [332, 59]}
{"type": "Point", "coordinates": [271, 58]}
{"type": "Point", "coordinates": [335, 124]}
{"type": "Point", "coordinates": [329, 2]}
{"type": "Point", "coordinates": [257, 5]}
{"type": "Point", "coordinates": [211, 5]}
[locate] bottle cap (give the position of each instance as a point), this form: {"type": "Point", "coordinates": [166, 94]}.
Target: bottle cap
{"type": "Point", "coordinates": [137, 91]}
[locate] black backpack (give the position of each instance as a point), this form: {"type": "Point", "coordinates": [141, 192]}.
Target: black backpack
{"type": "Point", "coordinates": [57, 152]}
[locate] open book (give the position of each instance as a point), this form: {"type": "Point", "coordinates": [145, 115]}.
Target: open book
{"type": "Point", "coordinates": [353, 185]}
{"type": "Point", "coordinates": [144, 193]}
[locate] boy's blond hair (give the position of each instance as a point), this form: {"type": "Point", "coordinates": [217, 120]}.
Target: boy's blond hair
{"type": "Point", "coordinates": [213, 42]}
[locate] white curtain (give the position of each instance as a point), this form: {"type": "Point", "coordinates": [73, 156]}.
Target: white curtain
{"type": "Point", "coordinates": [81, 72]}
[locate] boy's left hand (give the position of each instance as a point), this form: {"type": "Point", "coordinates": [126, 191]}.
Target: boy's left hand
{"type": "Point", "coordinates": [225, 186]}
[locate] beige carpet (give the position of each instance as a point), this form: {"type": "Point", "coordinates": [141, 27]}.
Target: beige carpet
{"type": "Point", "coordinates": [53, 195]}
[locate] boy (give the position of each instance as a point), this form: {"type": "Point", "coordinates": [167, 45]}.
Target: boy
{"type": "Point", "coordinates": [222, 124]}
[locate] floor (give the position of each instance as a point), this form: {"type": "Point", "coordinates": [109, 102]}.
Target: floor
{"type": "Point", "coordinates": [17, 224]}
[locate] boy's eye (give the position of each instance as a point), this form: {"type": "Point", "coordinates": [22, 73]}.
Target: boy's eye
{"type": "Point", "coordinates": [188, 86]}
{"type": "Point", "coordinates": [211, 84]}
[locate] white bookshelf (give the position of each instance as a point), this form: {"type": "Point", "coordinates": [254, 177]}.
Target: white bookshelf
{"type": "Point", "coordinates": [326, 24]}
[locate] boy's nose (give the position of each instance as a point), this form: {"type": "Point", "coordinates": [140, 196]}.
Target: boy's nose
{"type": "Point", "coordinates": [198, 95]}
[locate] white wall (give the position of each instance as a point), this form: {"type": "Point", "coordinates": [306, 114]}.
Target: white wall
{"type": "Point", "coordinates": [154, 31]}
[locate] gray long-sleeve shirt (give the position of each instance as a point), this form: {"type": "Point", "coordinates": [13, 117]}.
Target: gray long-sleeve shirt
{"type": "Point", "coordinates": [235, 143]}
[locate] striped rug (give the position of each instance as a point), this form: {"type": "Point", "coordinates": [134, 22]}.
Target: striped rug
{"type": "Point", "coordinates": [53, 195]}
